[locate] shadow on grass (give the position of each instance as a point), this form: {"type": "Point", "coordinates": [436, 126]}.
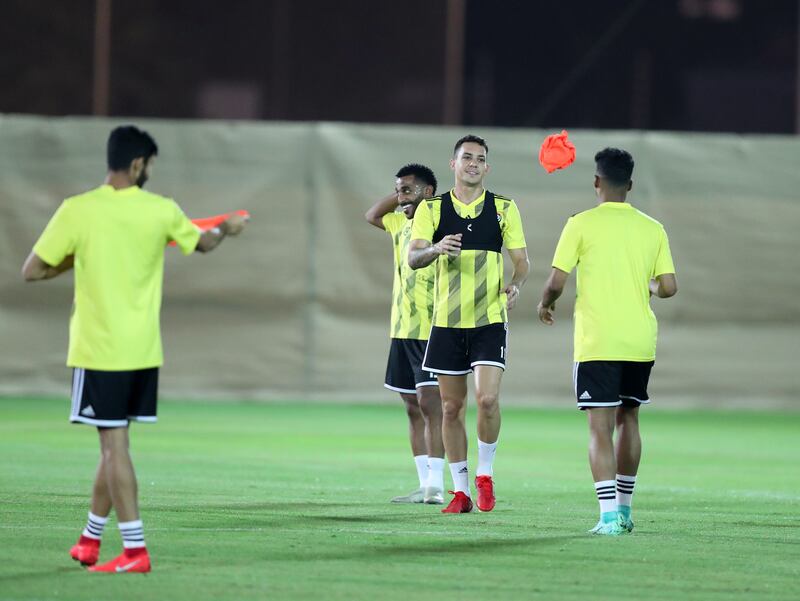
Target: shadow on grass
{"type": "Point", "coordinates": [356, 519]}
{"type": "Point", "coordinates": [300, 521]}
{"type": "Point", "coordinates": [277, 506]}
{"type": "Point", "coordinates": [440, 547]}
{"type": "Point", "coordinates": [768, 524]}
{"type": "Point", "coordinates": [36, 574]}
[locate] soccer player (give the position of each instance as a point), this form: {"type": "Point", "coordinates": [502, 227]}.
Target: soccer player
{"type": "Point", "coordinates": [623, 258]}
{"type": "Point", "coordinates": [114, 236]}
{"type": "Point", "coordinates": [462, 232]}
{"type": "Point", "coordinates": [412, 312]}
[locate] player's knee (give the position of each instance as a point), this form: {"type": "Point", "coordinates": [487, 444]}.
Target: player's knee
{"type": "Point", "coordinates": [451, 409]}
{"type": "Point", "coordinates": [429, 402]}
{"type": "Point", "coordinates": [627, 417]}
{"type": "Point", "coordinates": [601, 424]}
{"type": "Point", "coordinates": [113, 454]}
{"type": "Point", "coordinates": [113, 441]}
{"type": "Point", "coordinates": [412, 407]}
{"type": "Point", "coordinates": [601, 438]}
{"type": "Point", "coordinates": [487, 401]}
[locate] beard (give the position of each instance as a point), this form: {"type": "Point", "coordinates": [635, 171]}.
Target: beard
{"type": "Point", "coordinates": [142, 179]}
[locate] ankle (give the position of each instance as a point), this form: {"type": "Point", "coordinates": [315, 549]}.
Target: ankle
{"type": "Point", "coordinates": [135, 551]}
{"type": "Point", "coordinates": [608, 517]}
{"type": "Point", "coordinates": [87, 540]}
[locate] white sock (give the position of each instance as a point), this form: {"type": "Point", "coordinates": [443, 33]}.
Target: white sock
{"type": "Point", "coordinates": [625, 489]}
{"type": "Point", "coordinates": [132, 534]}
{"type": "Point", "coordinates": [422, 468]}
{"type": "Point", "coordinates": [486, 451]}
{"type": "Point", "coordinates": [435, 473]}
{"type": "Point", "coordinates": [607, 495]}
{"type": "Point", "coordinates": [94, 527]}
{"type": "Point", "coordinates": [460, 474]}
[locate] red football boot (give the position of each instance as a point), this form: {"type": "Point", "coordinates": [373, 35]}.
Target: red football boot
{"type": "Point", "coordinates": [86, 550]}
{"type": "Point", "coordinates": [485, 488]}
{"type": "Point", "coordinates": [461, 503]}
{"type": "Point", "coordinates": [133, 561]}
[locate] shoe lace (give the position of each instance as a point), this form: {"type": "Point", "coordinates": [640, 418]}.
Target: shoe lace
{"type": "Point", "coordinates": [484, 483]}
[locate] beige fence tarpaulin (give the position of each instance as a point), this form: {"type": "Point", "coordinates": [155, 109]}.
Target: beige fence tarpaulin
{"type": "Point", "coordinates": [298, 306]}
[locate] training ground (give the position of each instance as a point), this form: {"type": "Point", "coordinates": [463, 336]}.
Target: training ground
{"type": "Point", "coordinates": [290, 501]}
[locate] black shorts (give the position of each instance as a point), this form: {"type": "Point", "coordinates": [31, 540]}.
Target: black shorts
{"type": "Point", "coordinates": [455, 351]}
{"type": "Point", "coordinates": [404, 369]}
{"type": "Point", "coordinates": [611, 383]}
{"type": "Point", "coordinates": [112, 399]}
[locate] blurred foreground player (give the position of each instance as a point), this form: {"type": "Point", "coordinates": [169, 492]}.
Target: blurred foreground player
{"type": "Point", "coordinates": [115, 236]}
{"type": "Point", "coordinates": [623, 258]}
{"type": "Point", "coordinates": [412, 313]}
{"type": "Point", "coordinates": [463, 232]}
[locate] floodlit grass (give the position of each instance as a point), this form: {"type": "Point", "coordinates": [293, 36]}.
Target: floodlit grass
{"type": "Point", "coordinates": [289, 501]}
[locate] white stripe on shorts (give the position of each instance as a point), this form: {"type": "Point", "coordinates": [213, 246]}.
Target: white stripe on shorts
{"type": "Point", "coordinates": [445, 371]}
{"type": "Point", "coordinates": [403, 390]}
{"type": "Point", "coordinates": [492, 363]}
{"type": "Point", "coordinates": [105, 423]}
{"type": "Point", "coordinates": [633, 398]}
{"type": "Point", "coordinates": [575, 377]}
{"type": "Point", "coordinates": [78, 375]}
{"type": "Point", "coordinates": [611, 404]}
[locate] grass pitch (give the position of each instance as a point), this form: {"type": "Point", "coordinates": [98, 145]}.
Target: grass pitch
{"type": "Point", "coordinates": [289, 501]}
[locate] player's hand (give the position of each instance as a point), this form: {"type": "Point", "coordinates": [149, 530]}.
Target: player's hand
{"type": "Point", "coordinates": [234, 224]}
{"type": "Point", "coordinates": [546, 314]}
{"type": "Point", "coordinates": [512, 294]}
{"type": "Point", "coordinates": [450, 245]}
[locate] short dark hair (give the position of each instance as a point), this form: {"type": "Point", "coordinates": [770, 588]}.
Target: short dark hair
{"type": "Point", "coordinates": [127, 143]}
{"type": "Point", "coordinates": [420, 173]}
{"type": "Point", "coordinates": [470, 138]}
{"type": "Point", "coordinates": [615, 165]}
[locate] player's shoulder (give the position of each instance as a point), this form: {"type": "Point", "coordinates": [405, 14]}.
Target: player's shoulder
{"type": "Point", "coordinates": [645, 218]}
{"type": "Point", "coordinates": [581, 215]}
{"type": "Point", "coordinates": [86, 196]}
{"type": "Point", "coordinates": [501, 197]}
{"type": "Point", "coordinates": [393, 221]}
{"type": "Point", "coordinates": [148, 196]}
{"type": "Point", "coordinates": [431, 206]}
{"type": "Point", "coordinates": [102, 192]}
{"type": "Point", "coordinates": [83, 202]}
{"type": "Point", "coordinates": [502, 202]}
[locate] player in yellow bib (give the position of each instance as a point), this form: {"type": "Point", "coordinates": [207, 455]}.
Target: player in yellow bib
{"type": "Point", "coordinates": [463, 232]}
{"type": "Point", "coordinates": [622, 258]}
{"type": "Point", "coordinates": [114, 236]}
{"type": "Point", "coordinates": [412, 313]}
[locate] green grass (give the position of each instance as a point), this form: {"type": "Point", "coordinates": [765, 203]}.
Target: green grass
{"type": "Point", "coordinates": [289, 501]}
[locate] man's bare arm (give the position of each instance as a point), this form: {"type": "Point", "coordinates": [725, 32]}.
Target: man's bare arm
{"type": "Point", "coordinates": [422, 253]}
{"type": "Point", "coordinates": [552, 290]}
{"type": "Point", "coordinates": [210, 239]}
{"type": "Point", "coordinates": [664, 285]}
{"type": "Point", "coordinates": [384, 206]}
{"type": "Point", "coordinates": [35, 269]}
{"type": "Point", "coordinates": [522, 266]}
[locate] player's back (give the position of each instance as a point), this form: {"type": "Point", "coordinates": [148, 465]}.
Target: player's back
{"type": "Point", "coordinates": [119, 241]}
{"type": "Point", "coordinates": [619, 249]}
